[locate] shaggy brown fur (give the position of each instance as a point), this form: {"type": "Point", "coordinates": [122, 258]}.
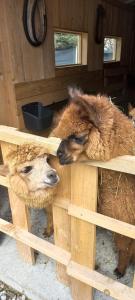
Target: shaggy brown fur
{"type": "Point", "coordinates": [93, 126]}
{"type": "Point", "coordinates": [30, 186]}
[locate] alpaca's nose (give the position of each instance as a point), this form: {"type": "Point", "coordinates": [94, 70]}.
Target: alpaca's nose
{"type": "Point", "coordinates": [52, 176]}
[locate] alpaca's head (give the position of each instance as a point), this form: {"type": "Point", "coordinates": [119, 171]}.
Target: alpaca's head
{"type": "Point", "coordinates": [131, 113]}
{"type": "Point", "coordinates": [30, 174]}
{"type": "Point", "coordinates": [90, 125]}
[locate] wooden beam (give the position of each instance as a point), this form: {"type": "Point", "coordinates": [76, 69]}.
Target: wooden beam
{"type": "Point", "coordinates": [4, 181]}
{"type": "Point", "coordinates": [134, 282]}
{"type": "Point", "coordinates": [35, 242]}
{"type": "Point", "coordinates": [83, 234]}
{"type": "Point", "coordinates": [10, 135]}
{"type": "Point", "coordinates": [61, 219]}
{"type": "Point", "coordinates": [124, 164]}
{"type": "Point", "coordinates": [98, 281]}
{"type": "Point", "coordinates": [102, 221]}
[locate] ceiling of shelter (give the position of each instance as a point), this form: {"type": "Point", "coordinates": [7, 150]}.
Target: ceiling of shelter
{"type": "Point", "coordinates": [131, 2]}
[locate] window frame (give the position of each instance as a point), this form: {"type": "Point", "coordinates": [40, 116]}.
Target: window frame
{"type": "Point", "coordinates": [118, 49]}
{"type": "Point", "coordinates": [83, 45]}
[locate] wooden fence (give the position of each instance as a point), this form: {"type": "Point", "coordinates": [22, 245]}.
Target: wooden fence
{"type": "Point", "coordinates": [75, 220]}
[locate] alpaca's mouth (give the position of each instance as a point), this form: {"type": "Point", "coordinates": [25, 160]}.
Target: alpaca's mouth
{"type": "Point", "coordinates": [52, 182]}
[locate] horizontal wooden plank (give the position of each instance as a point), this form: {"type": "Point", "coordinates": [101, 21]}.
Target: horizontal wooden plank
{"type": "Point", "coordinates": [60, 82]}
{"type": "Point", "coordinates": [10, 135]}
{"type": "Point", "coordinates": [110, 72]}
{"type": "Point", "coordinates": [125, 164]}
{"type": "Point", "coordinates": [98, 281]}
{"type": "Point", "coordinates": [35, 242]}
{"type": "Point", "coordinates": [102, 221]}
{"type": "Point", "coordinates": [4, 181]}
{"type": "Point", "coordinates": [62, 203]}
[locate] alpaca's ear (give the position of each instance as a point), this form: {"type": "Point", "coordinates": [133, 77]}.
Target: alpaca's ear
{"type": "Point", "coordinates": [74, 92]}
{"type": "Point", "coordinates": [88, 112]}
{"type": "Point", "coordinates": [130, 107]}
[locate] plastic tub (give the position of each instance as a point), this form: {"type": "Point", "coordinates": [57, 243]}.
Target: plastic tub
{"type": "Point", "coordinates": [36, 116]}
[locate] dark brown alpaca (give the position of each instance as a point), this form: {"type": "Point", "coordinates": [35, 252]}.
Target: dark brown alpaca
{"type": "Point", "coordinates": [94, 127]}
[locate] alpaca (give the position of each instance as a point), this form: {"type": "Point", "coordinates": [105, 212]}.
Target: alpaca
{"type": "Point", "coordinates": [32, 178]}
{"type": "Point", "coordinates": [94, 128]}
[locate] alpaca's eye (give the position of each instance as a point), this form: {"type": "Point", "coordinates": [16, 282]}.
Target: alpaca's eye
{"type": "Point", "coordinates": [26, 169]}
{"type": "Point", "coordinates": [78, 139]}
{"type": "Point", "coordinates": [48, 159]}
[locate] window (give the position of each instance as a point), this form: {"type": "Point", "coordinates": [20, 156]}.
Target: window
{"type": "Point", "coordinates": [70, 48]}
{"type": "Point", "coordinates": [112, 49]}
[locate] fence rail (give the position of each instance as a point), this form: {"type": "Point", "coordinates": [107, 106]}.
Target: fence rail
{"type": "Point", "coordinates": [74, 212]}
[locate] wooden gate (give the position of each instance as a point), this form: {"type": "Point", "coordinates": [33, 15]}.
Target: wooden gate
{"type": "Point", "coordinates": [75, 220]}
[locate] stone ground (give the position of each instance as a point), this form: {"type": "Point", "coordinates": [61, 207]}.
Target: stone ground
{"type": "Point", "coordinates": [8, 293]}
{"type": "Point", "coordinates": [39, 282]}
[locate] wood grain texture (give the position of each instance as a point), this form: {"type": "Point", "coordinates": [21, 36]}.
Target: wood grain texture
{"type": "Point", "coordinates": [84, 194]}
{"type": "Point", "coordinates": [102, 221]}
{"type": "Point", "coordinates": [25, 237]}
{"type": "Point", "coordinates": [28, 63]}
{"type": "Point", "coordinates": [61, 219]}
{"type": "Point", "coordinates": [10, 135]}
{"type": "Point", "coordinates": [103, 283]}
{"type": "Point", "coordinates": [8, 111]}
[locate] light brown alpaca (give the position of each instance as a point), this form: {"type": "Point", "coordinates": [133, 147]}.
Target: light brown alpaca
{"type": "Point", "coordinates": [94, 127]}
{"type": "Point", "coordinates": [32, 178]}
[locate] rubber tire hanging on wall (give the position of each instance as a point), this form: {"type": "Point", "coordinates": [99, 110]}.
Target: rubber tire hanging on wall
{"type": "Point", "coordinates": [29, 22]}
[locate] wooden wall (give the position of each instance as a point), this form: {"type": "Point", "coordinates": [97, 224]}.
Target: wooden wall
{"type": "Point", "coordinates": [119, 22]}
{"type": "Point", "coordinates": [28, 74]}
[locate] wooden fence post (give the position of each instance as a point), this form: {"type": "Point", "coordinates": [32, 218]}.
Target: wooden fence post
{"type": "Point", "coordinates": [134, 281]}
{"type": "Point", "coordinates": [20, 213]}
{"type": "Point", "coordinates": [84, 180]}
{"type": "Point", "coordinates": [61, 219]}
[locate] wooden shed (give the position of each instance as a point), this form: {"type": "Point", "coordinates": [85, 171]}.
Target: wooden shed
{"type": "Point", "coordinates": [29, 74]}
{"type": "Point", "coordinates": [45, 47]}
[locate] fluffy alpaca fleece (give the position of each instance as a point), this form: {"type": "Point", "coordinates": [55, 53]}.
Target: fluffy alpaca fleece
{"type": "Point", "coordinates": [94, 127]}
{"type": "Point", "coordinates": [16, 159]}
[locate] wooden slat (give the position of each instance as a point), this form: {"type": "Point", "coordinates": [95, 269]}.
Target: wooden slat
{"type": "Point", "coordinates": [134, 282]}
{"type": "Point", "coordinates": [20, 213]}
{"type": "Point", "coordinates": [9, 135]}
{"type": "Point", "coordinates": [102, 221]}
{"type": "Point", "coordinates": [61, 219]}
{"type": "Point", "coordinates": [4, 181]}
{"type": "Point", "coordinates": [124, 164]}
{"type": "Point", "coordinates": [83, 234]}
{"type": "Point", "coordinates": [83, 77]}
{"type": "Point", "coordinates": [98, 281]}
{"type": "Point", "coordinates": [35, 242]}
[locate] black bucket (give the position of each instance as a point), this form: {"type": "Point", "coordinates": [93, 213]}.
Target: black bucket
{"type": "Point", "coordinates": [36, 116]}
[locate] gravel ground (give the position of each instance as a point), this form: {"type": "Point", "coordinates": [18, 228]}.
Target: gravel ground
{"type": "Point", "coordinates": [39, 282]}
{"type": "Point", "coordinates": [8, 293]}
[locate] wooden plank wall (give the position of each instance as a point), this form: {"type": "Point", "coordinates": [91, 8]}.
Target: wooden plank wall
{"type": "Point", "coordinates": [119, 22]}
{"type": "Point", "coordinates": [74, 16]}
{"type": "Point", "coordinates": [28, 63]}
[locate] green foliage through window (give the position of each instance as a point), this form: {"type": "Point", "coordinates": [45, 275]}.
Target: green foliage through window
{"type": "Point", "coordinates": [64, 40]}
